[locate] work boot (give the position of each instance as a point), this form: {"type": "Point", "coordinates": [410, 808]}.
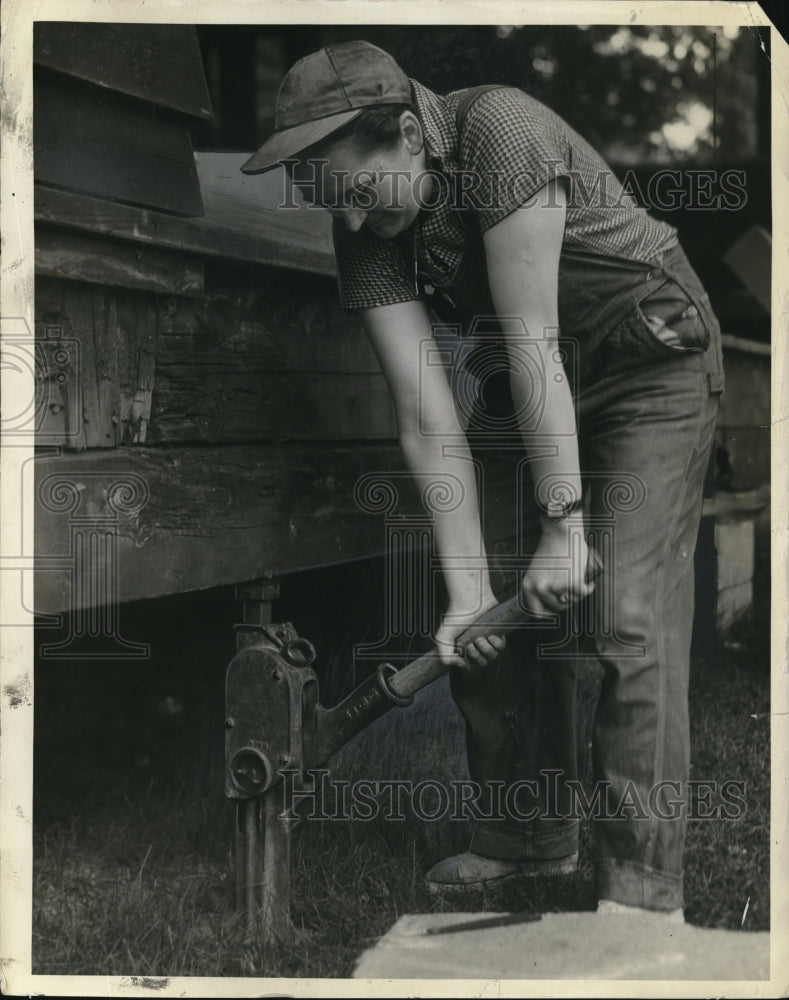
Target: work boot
{"type": "Point", "coordinates": [470, 872]}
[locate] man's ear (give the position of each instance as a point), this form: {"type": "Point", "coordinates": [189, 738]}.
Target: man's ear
{"type": "Point", "coordinates": [411, 131]}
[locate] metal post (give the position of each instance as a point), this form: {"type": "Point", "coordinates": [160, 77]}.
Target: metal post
{"type": "Point", "coordinates": [258, 596]}
{"type": "Point", "coordinates": [275, 887]}
{"type": "Point", "coordinates": [248, 861]}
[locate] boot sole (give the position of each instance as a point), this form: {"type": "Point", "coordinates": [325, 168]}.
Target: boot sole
{"type": "Point", "coordinates": [526, 869]}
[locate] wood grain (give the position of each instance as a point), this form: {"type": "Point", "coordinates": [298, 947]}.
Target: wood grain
{"type": "Point", "coordinates": [159, 63]}
{"type": "Point", "coordinates": [108, 338]}
{"type": "Point", "coordinates": [100, 143]}
{"type": "Point", "coordinates": [221, 515]}
{"type": "Point", "coordinates": [76, 211]}
{"type": "Point", "coordinates": [217, 515]}
{"type": "Point", "coordinates": [271, 359]}
{"type": "Point", "coordinates": [106, 262]}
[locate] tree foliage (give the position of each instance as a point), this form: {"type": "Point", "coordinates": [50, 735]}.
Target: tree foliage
{"type": "Point", "coordinates": [640, 94]}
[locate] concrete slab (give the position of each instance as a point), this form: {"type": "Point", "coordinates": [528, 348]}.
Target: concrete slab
{"type": "Point", "coordinates": [564, 946]}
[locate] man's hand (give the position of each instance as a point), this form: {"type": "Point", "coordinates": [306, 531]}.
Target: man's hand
{"type": "Point", "coordinates": [557, 575]}
{"type": "Point", "coordinates": [479, 651]}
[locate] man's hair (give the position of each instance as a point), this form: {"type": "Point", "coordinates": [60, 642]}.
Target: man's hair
{"type": "Point", "coordinates": [377, 127]}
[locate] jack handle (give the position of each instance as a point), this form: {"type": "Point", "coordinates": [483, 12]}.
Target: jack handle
{"type": "Point", "coordinates": [504, 618]}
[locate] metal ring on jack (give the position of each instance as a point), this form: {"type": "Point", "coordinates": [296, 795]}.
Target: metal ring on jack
{"type": "Point", "coordinates": [304, 648]}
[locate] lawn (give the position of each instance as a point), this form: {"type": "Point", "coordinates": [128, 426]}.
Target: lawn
{"type": "Point", "coordinates": [133, 870]}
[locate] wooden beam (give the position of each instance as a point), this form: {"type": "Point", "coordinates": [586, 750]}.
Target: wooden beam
{"type": "Point", "coordinates": [192, 518]}
{"type": "Point", "coordinates": [158, 63]}
{"type": "Point", "coordinates": [273, 359]}
{"type": "Point", "coordinates": [750, 259]}
{"type": "Point", "coordinates": [205, 401]}
{"type": "Point", "coordinates": [215, 515]}
{"type": "Point", "coordinates": [73, 211]}
{"type": "Point", "coordinates": [274, 321]}
{"type": "Point", "coordinates": [743, 346]}
{"type": "Point", "coordinates": [105, 262]}
{"type": "Point", "coordinates": [737, 505]}
{"type": "Point", "coordinates": [106, 145]}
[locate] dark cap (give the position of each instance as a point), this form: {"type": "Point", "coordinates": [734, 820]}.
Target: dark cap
{"type": "Point", "coordinates": [323, 91]}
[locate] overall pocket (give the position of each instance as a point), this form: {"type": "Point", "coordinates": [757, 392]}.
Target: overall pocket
{"type": "Point", "coordinates": [664, 324]}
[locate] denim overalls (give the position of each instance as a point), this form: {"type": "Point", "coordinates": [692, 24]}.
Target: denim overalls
{"type": "Point", "coordinates": [643, 354]}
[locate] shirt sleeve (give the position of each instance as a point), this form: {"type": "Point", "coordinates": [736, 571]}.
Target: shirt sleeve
{"type": "Point", "coordinates": [371, 270]}
{"type": "Point", "coordinates": [511, 146]}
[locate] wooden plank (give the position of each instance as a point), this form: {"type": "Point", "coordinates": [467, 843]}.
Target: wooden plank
{"type": "Point", "coordinates": [203, 401]}
{"type": "Point", "coordinates": [104, 342]}
{"type": "Point", "coordinates": [84, 320]}
{"type": "Point", "coordinates": [86, 258]}
{"type": "Point", "coordinates": [746, 401]}
{"type": "Point", "coordinates": [749, 258]}
{"type": "Point", "coordinates": [105, 145]}
{"type": "Point", "coordinates": [271, 359]}
{"type": "Point", "coordinates": [70, 323]}
{"type": "Point", "coordinates": [262, 204]}
{"type": "Point", "coordinates": [743, 346]}
{"type": "Point", "coordinates": [279, 321]}
{"type": "Point", "coordinates": [73, 211]}
{"type": "Point", "coordinates": [131, 320]}
{"type": "Point", "coordinates": [737, 505]}
{"type": "Point", "coordinates": [217, 516]}
{"type": "Point", "coordinates": [159, 63]}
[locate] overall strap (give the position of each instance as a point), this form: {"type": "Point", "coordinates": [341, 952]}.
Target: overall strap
{"type": "Point", "coordinates": [468, 98]}
{"type": "Point", "coordinates": [464, 105]}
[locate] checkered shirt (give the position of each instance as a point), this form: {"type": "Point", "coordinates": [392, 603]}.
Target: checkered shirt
{"type": "Point", "coordinates": [511, 146]}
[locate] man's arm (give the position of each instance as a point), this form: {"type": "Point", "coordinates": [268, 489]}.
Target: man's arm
{"type": "Point", "coordinates": [522, 253]}
{"type": "Point", "coordinates": [426, 420]}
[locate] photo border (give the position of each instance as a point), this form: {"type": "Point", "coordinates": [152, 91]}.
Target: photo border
{"type": "Point", "coordinates": [16, 547]}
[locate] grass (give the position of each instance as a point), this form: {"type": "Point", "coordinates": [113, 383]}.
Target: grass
{"type": "Point", "coordinates": [133, 870]}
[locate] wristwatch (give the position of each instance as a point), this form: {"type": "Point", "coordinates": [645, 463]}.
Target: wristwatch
{"type": "Point", "coordinates": [556, 510]}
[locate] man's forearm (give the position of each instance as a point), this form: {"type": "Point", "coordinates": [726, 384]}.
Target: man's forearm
{"type": "Point", "coordinates": [550, 441]}
{"type": "Point", "coordinates": [456, 516]}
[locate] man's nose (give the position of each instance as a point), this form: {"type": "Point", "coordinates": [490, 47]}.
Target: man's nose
{"type": "Point", "coordinates": [354, 219]}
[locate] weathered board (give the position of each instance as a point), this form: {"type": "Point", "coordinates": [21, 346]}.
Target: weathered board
{"type": "Point", "coordinates": [233, 402]}
{"type": "Point", "coordinates": [282, 321]}
{"type": "Point", "coordinates": [260, 359]}
{"type": "Point", "coordinates": [96, 353]}
{"type": "Point", "coordinates": [264, 205]}
{"type": "Point", "coordinates": [211, 516]}
{"type": "Point", "coordinates": [71, 211]}
{"type": "Point", "coordinates": [122, 265]}
{"type": "Point", "coordinates": [159, 63]}
{"type": "Point", "coordinates": [270, 358]}
{"type": "Point", "coordinates": [744, 419]}
{"type": "Point", "coordinates": [98, 142]}
{"type": "Point", "coordinates": [190, 518]}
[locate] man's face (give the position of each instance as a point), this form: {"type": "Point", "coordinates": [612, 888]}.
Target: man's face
{"type": "Point", "coordinates": [383, 190]}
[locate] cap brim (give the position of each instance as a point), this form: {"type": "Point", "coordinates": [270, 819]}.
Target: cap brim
{"type": "Point", "coordinates": [283, 145]}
